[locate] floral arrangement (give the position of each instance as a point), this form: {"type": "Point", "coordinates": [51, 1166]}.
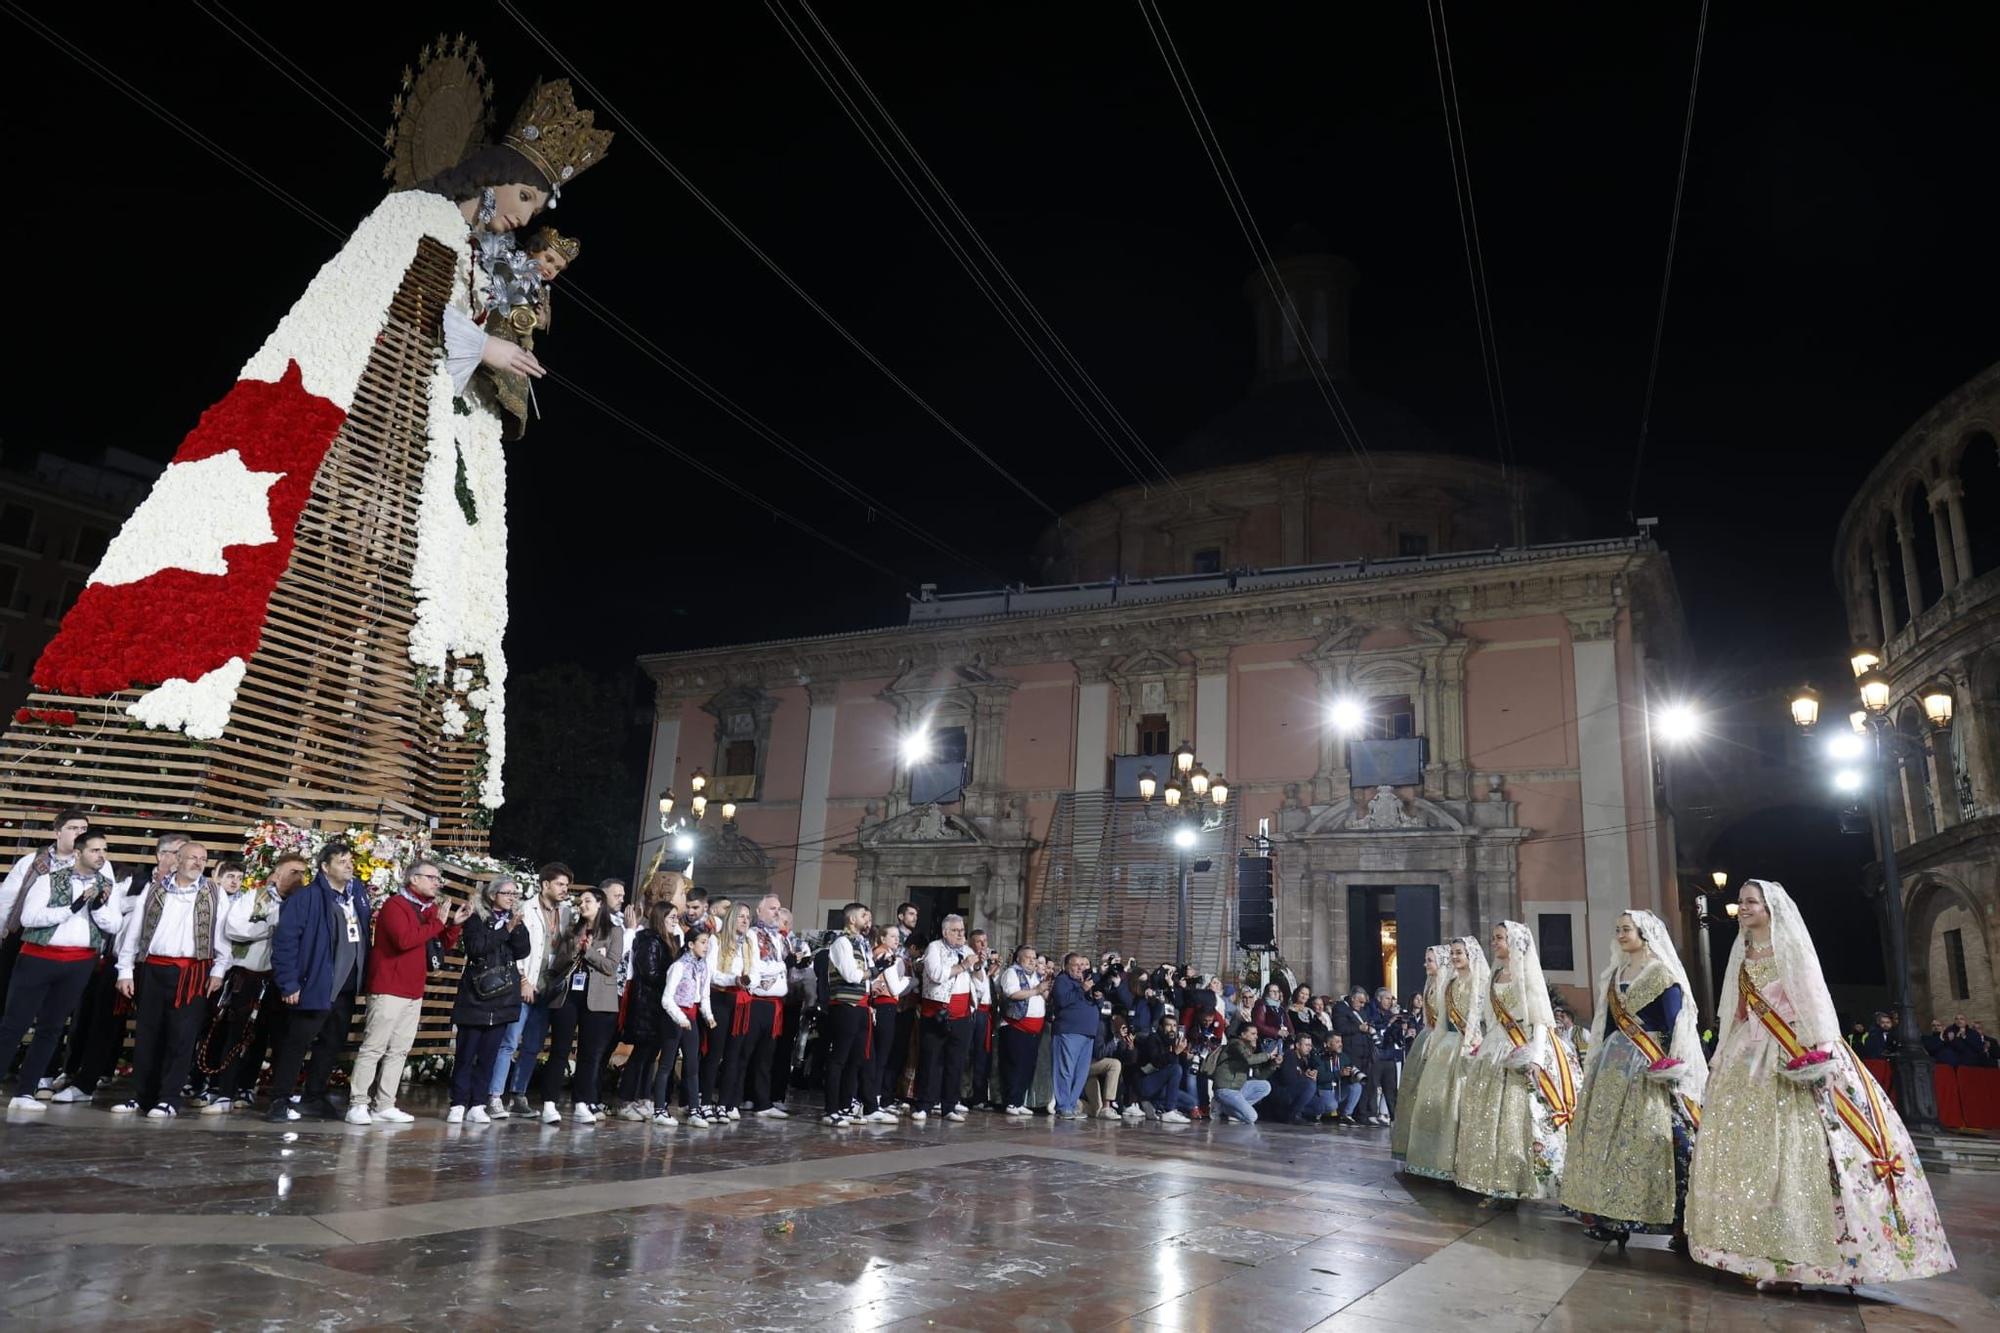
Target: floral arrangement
{"type": "Point", "coordinates": [54, 717]}
{"type": "Point", "coordinates": [1807, 1059]}
{"type": "Point", "coordinates": [1665, 1064]}
{"type": "Point", "coordinates": [380, 855]}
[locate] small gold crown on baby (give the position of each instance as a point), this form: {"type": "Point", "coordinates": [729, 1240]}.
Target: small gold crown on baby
{"type": "Point", "coordinates": [556, 136]}
{"type": "Point", "coordinates": [548, 238]}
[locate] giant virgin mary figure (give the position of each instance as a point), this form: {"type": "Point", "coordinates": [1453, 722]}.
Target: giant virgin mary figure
{"type": "Point", "coordinates": [314, 594]}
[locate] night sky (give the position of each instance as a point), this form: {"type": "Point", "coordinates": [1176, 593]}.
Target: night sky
{"type": "Point", "coordinates": [1835, 276]}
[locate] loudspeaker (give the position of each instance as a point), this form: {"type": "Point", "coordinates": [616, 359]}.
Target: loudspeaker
{"type": "Point", "coordinates": [1255, 924]}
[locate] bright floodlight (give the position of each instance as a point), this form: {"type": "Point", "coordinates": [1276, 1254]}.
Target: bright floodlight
{"type": "Point", "coordinates": [1844, 745]}
{"type": "Point", "coordinates": [916, 748]}
{"type": "Point", "coordinates": [684, 844]}
{"type": "Point", "coordinates": [1183, 837]}
{"type": "Point", "coordinates": [1678, 723]}
{"type": "Point", "coordinates": [1848, 779]}
{"type": "Point", "coordinates": [1347, 715]}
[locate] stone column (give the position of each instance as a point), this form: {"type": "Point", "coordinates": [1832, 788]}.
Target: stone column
{"type": "Point", "coordinates": [1913, 584]}
{"type": "Point", "coordinates": [659, 777]}
{"type": "Point", "coordinates": [1093, 724]}
{"type": "Point", "coordinates": [1864, 617]}
{"type": "Point", "coordinates": [1948, 567]}
{"type": "Point", "coordinates": [1607, 869]}
{"type": "Point", "coordinates": [1885, 596]}
{"type": "Point", "coordinates": [812, 803]}
{"type": "Point", "coordinates": [1952, 491]}
{"type": "Point", "coordinates": [1211, 708]}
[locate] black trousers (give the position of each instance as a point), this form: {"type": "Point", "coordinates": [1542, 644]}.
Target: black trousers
{"type": "Point", "coordinates": [310, 1038]}
{"type": "Point", "coordinates": [231, 1050]}
{"type": "Point", "coordinates": [595, 1032]}
{"type": "Point", "coordinates": [472, 1069]}
{"type": "Point", "coordinates": [980, 1058]}
{"type": "Point", "coordinates": [747, 1071]}
{"type": "Point", "coordinates": [723, 1002]}
{"type": "Point", "coordinates": [165, 1033]}
{"type": "Point", "coordinates": [98, 1034]}
{"type": "Point", "coordinates": [785, 1049]}
{"type": "Point", "coordinates": [636, 1082]}
{"type": "Point", "coordinates": [944, 1043]}
{"type": "Point", "coordinates": [44, 993]}
{"type": "Point", "coordinates": [563, 1022]}
{"type": "Point", "coordinates": [1018, 1052]}
{"type": "Point", "coordinates": [899, 1059]}
{"type": "Point", "coordinates": [847, 1048]}
{"type": "Point", "coordinates": [10, 951]}
{"type": "Point", "coordinates": [684, 1045]}
{"type": "Point", "coordinates": [879, 1054]}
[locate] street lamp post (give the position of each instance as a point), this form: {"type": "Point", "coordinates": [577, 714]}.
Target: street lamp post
{"type": "Point", "coordinates": [1194, 800]}
{"type": "Point", "coordinates": [1889, 749]}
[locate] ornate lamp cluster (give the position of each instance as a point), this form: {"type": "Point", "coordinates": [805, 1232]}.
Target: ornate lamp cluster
{"type": "Point", "coordinates": [1190, 788]}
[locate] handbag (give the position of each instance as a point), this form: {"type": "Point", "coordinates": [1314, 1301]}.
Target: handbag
{"type": "Point", "coordinates": [494, 980]}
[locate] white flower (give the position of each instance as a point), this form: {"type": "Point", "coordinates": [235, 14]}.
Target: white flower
{"type": "Point", "coordinates": [454, 718]}
{"type": "Point", "coordinates": [194, 511]}
{"type": "Point", "coordinates": [461, 679]}
{"type": "Point", "coordinates": [198, 707]}
{"type": "Point", "coordinates": [479, 699]}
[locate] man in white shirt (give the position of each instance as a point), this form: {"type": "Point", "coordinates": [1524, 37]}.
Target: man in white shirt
{"type": "Point", "coordinates": [171, 957]}
{"type": "Point", "coordinates": [246, 1012]}
{"type": "Point", "coordinates": [66, 914]}
{"type": "Point", "coordinates": [845, 1015]}
{"type": "Point", "coordinates": [69, 826]}
{"type": "Point", "coordinates": [1024, 992]}
{"type": "Point", "coordinates": [946, 1022]}
{"type": "Point", "coordinates": [97, 1036]}
{"type": "Point", "coordinates": [749, 1060]}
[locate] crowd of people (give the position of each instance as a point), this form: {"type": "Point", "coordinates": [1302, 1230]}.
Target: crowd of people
{"type": "Point", "coordinates": [1960, 1043]}
{"type": "Point", "coordinates": [572, 995]}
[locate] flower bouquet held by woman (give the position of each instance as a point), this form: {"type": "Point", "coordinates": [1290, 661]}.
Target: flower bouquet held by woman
{"type": "Point", "coordinates": [1433, 1139]}
{"type": "Point", "coordinates": [1804, 1172]}
{"type": "Point", "coordinates": [1642, 1092]}
{"type": "Point", "coordinates": [1520, 1091]}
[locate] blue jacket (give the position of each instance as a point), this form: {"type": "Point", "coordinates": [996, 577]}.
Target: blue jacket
{"type": "Point", "coordinates": [302, 945]}
{"type": "Point", "coordinates": [1072, 1013]}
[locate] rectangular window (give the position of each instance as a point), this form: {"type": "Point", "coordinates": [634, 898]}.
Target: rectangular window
{"type": "Point", "coordinates": [941, 778]}
{"type": "Point", "coordinates": [1556, 941]}
{"type": "Point", "coordinates": [1153, 734]}
{"type": "Point", "coordinates": [88, 548]}
{"type": "Point", "coordinates": [1208, 560]}
{"type": "Point", "coordinates": [739, 759]}
{"type": "Point", "coordinates": [10, 582]}
{"type": "Point", "coordinates": [1954, 963]}
{"type": "Point", "coordinates": [17, 525]}
{"type": "Point", "coordinates": [1412, 543]}
{"type": "Point", "coordinates": [1391, 717]}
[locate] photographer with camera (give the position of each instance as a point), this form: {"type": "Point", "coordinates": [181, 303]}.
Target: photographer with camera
{"type": "Point", "coordinates": [1025, 990]}
{"type": "Point", "coordinates": [1074, 1022]}
{"type": "Point", "coordinates": [1166, 1076]}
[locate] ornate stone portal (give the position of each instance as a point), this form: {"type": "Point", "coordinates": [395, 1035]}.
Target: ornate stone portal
{"type": "Point", "coordinates": [929, 847]}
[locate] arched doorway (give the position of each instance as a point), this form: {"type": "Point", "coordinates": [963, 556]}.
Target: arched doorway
{"type": "Point", "coordinates": [1951, 964]}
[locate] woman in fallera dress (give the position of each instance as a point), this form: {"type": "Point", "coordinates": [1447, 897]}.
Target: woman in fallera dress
{"type": "Point", "coordinates": [1520, 1084]}
{"type": "Point", "coordinates": [1803, 1172]}
{"type": "Point", "coordinates": [1642, 1092]}
{"type": "Point", "coordinates": [1434, 1122]}
{"type": "Point", "coordinates": [1437, 971]}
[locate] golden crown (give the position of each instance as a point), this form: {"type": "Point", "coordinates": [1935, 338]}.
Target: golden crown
{"type": "Point", "coordinates": [555, 136]}
{"type": "Point", "coordinates": [548, 238]}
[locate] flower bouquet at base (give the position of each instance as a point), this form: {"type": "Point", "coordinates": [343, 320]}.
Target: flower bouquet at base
{"type": "Point", "coordinates": [1808, 1067]}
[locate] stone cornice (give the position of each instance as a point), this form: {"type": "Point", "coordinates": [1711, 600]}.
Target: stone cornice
{"type": "Point", "coordinates": [1566, 582]}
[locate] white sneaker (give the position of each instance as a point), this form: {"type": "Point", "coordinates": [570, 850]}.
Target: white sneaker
{"type": "Point", "coordinates": [632, 1111]}
{"type": "Point", "coordinates": [665, 1120]}
{"type": "Point", "coordinates": [1134, 1113]}
{"type": "Point", "coordinates": [358, 1115]}
{"type": "Point", "coordinates": [162, 1112]}
{"type": "Point", "coordinates": [960, 1107]}
{"type": "Point", "coordinates": [395, 1115]}
{"type": "Point", "coordinates": [61, 1082]}
{"type": "Point", "coordinates": [775, 1113]}
{"type": "Point", "coordinates": [71, 1095]}
{"type": "Point", "coordinates": [734, 1113]}
{"type": "Point", "coordinates": [220, 1106]}
{"type": "Point", "coordinates": [476, 1115]}
{"type": "Point", "coordinates": [581, 1114]}
{"type": "Point", "coordinates": [455, 1116]}
{"type": "Point", "coordinates": [834, 1121]}
{"type": "Point", "coordinates": [1018, 1111]}
{"type": "Point", "coordinates": [1176, 1118]}
{"type": "Point", "coordinates": [696, 1120]}
{"type": "Point", "coordinates": [957, 1117]}
{"type": "Point", "coordinates": [881, 1118]}
{"type": "Point", "coordinates": [496, 1108]}
{"type": "Point", "coordinates": [1108, 1114]}
{"type": "Point", "coordinates": [919, 1116]}
{"type": "Point", "coordinates": [125, 1108]}
{"type": "Point", "coordinates": [550, 1115]}
{"type": "Point", "coordinates": [25, 1104]}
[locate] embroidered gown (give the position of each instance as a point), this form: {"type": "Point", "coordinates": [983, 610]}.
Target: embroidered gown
{"type": "Point", "coordinates": [1781, 1187]}
{"type": "Point", "coordinates": [1433, 1135]}
{"type": "Point", "coordinates": [1413, 1076]}
{"type": "Point", "coordinates": [1510, 1142]}
{"type": "Point", "coordinates": [1630, 1143]}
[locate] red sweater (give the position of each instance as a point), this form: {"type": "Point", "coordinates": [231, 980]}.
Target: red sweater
{"type": "Point", "coordinates": [397, 964]}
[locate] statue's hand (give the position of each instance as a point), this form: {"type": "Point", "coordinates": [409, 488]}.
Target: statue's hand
{"type": "Point", "coordinates": [515, 360]}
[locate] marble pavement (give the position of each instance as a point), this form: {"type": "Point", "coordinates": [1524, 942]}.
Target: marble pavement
{"type": "Point", "coordinates": [227, 1222]}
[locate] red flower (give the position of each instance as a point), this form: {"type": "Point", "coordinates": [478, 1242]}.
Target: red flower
{"type": "Point", "coordinates": [24, 715]}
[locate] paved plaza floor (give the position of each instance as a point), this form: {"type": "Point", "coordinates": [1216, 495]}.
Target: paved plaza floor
{"type": "Point", "coordinates": [227, 1222]}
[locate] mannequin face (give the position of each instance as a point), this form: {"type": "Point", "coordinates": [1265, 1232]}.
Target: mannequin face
{"type": "Point", "coordinates": [1501, 951]}
{"type": "Point", "coordinates": [1750, 909]}
{"type": "Point", "coordinates": [1628, 938]}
